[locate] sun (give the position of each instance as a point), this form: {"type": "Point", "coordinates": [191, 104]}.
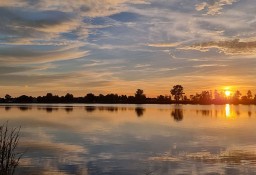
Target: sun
{"type": "Point", "coordinates": [227, 93]}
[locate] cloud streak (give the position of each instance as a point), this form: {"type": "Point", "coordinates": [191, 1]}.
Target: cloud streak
{"type": "Point", "coordinates": [213, 7]}
{"type": "Point", "coordinates": [230, 47]}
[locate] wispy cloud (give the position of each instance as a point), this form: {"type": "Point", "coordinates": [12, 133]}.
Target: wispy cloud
{"type": "Point", "coordinates": [26, 55]}
{"type": "Point", "coordinates": [213, 7]}
{"type": "Point", "coordinates": [164, 44]}
{"type": "Point", "coordinates": [230, 47]}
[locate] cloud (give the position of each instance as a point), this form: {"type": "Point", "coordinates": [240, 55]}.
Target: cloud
{"type": "Point", "coordinates": [213, 7]}
{"type": "Point", "coordinates": [229, 47]}
{"type": "Point", "coordinates": [209, 65]}
{"type": "Point", "coordinates": [165, 44]}
{"type": "Point", "coordinates": [28, 55]}
{"type": "Point", "coordinates": [31, 26]}
{"type": "Point", "coordinates": [15, 69]}
{"type": "Point", "coordinates": [53, 26]}
{"type": "Point", "coordinates": [92, 8]}
{"type": "Point", "coordinates": [142, 65]}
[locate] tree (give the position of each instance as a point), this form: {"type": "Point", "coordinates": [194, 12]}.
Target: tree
{"type": "Point", "coordinates": [139, 93]}
{"type": "Point", "coordinates": [249, 94]}
{"type": "Point", "coordinates": [24, 99]}
{"type": "Point", "coordinates": [140, 97]}
{"type": "Point", "coordinates": [8, 98]}
{"type": "Point", "coordinates": [177, 92]}
{"type": "Point", "coordinates": [237, 95]}
{"type": "Point", "coordinates": [205, 97]}
{"type": "Point", "coordinates": [69, 98]}
{"type": "Point", "coordinates": [90, 98]}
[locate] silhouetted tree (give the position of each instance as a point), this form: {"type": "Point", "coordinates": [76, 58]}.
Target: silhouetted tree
{"type": "Point", "coordinates": [131, 99]}
{"type": "Point", "coordinates": [161, 99]}
{"type": "Point", "coordinates": [177, 92]}
{"type": "Point", "coordinates": [237, 95]}
{"type": "Point", "coordinates": [244, 98]}
{"type": "Point", "coordinates": [205, 97]}
{"type": "Point", "coordinates": [69, 98]}
{"type": "Point", "coordinates": [249, 94]}
{"type": "Point", "coordinates": [101, 98]}
{"type": "Point", "coordinates": [111, 98]}
{"type": "Point", "coordinates": [216, 95]}
{"type": "Point", "coordinates": [8, 98]}
{"type": "Point", "coordinates": [123, 99]}
{"type": "Point", "coordinates": [24, 99]}
{"type": "Point", "coordinates": [49, 97]}
{"type": "Point", "coordinates": [90, 98]}
{"type": "Point", "coordinates": [139, 96]}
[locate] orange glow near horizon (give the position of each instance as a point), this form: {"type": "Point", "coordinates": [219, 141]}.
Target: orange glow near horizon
{"type": "Point", "coordinates": [126, 89]}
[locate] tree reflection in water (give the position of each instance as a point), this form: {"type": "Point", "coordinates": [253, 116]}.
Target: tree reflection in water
{"type": "Point", "coordinates": [139, 111]}
{"type": "Point", "coordinates": [177, 114]}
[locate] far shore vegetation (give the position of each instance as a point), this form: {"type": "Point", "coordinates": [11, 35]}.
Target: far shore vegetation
{"type": "Point", "coordinates": [177, 96]}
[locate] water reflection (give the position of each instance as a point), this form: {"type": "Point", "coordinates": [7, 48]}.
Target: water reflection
{"type": "Point", "coordinates": [249, 113]}
{"type": "Point", "coordinates": [48, 109]}
{"type": "Point", "coordinates": [227, 110]}
{"type": "Point", "coordinates": [7, 108]}
{"type": "Point", "coordinates": [177, 114]}
{"type": "Point", "coordinates": [206, 112]}
{"type": "Point", "coordinates": [108, 108]}
{"type": "Point", "coordinates": [25, 108]}
{"type": "Point", "coordinates": [90, 108]}
{"type": "Point", "coordinates": [68, 109]}
{"type": "Point", "coordinates": [111, 140]}
{"type": "Point", "coordinates": [139, 111]}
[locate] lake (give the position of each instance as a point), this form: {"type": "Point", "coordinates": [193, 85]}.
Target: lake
{"type": "Point", "coordinates": [134, 139]}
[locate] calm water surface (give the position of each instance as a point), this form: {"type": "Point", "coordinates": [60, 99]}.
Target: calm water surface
{"type": "Point", "coordinates": [135, 140]}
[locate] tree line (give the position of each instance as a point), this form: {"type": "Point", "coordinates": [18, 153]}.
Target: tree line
{"type": "Point", "coordinates": [177, 96]}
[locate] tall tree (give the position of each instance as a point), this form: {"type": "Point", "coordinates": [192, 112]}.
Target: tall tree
{"type": "Point", "coordinates": [140, 97]}
{"type": "Point", "coordinates": [177, 92]}
{"type": "Point", "coordinates": [8, 98]}
{"type": "Point", "coordinates": [249, 94]}
{"type": "Point", "coordinates": [237, 95]}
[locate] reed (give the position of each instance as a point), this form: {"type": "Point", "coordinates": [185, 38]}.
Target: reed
{"type": "Point", "coordinates": [9, 157]}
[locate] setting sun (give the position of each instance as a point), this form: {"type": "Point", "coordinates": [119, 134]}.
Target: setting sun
{"type": "Point", "coordinates": [227, 93]}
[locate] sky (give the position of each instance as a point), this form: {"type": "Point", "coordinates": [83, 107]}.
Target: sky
{"type": "Point", "coordinates": [118, 46]}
